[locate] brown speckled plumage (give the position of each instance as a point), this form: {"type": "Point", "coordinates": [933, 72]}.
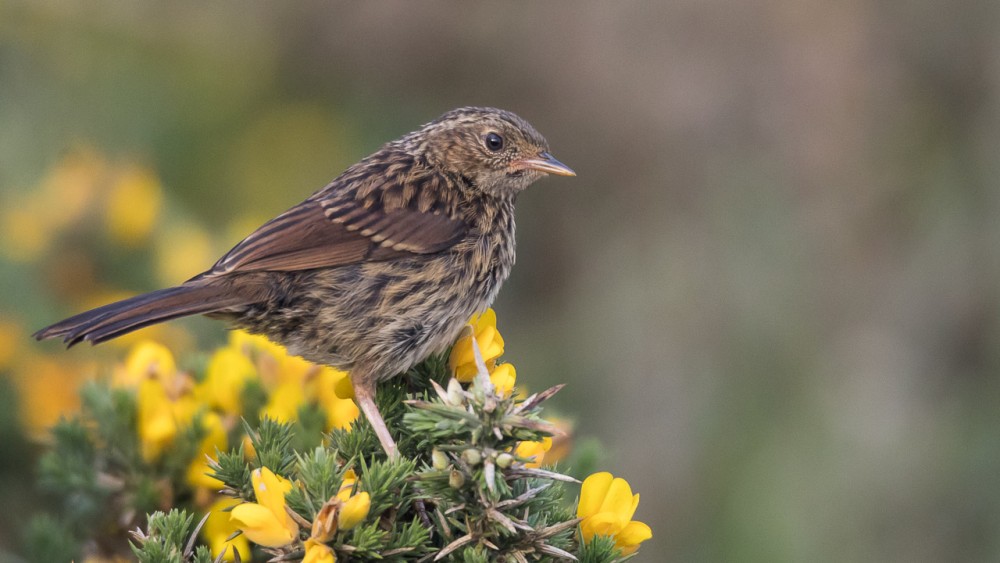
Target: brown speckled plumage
{"type": "Point", "coordinates": [377, 270]}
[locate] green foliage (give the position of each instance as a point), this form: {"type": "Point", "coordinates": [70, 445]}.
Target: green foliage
{"type": "Point", "coordinates": [234, 471]}
{"type": "Point", "coordinates": [272, 441]}
{"type": "Point", "coordinates": [388, 483]}
{"type": "Point", "coordinates": [601, 549]}
{"type": "Point", "coordinates": [322, 475]}
{"type": "Point", "coordinates": [166, 539]}
{"type": "Point", "coordinates": [48, 539]}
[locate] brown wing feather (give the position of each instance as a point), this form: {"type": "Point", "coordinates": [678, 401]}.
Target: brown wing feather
{"type": "Point", "coordinates": [371, 212]}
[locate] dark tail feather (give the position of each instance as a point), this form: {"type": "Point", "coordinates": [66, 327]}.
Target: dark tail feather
{"type": "Point", "coordinates": [122, 317]}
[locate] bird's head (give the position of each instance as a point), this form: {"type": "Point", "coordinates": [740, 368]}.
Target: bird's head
{"type": "Point", "coordinates": [496, 151]}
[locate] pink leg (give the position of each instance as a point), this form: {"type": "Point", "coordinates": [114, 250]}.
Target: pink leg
{"type": "Point", "coordinates": [364, 394]}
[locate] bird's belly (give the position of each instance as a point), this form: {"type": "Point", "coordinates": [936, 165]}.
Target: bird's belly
{"type": "Point", "coordinates": [386, 315]}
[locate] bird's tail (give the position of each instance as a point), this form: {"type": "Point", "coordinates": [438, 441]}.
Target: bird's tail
{"type": "Point", "coordinates": [122, 317]}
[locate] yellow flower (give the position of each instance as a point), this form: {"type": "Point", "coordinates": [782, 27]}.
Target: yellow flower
{"type": "Point", "coordinates": [354, 511]}
{"type": "Point", "coordinates": [133, 206]}
{"type": "Point", "coordinates": [266, 522]}
{"type": "Point", "coordinates": [227, 373]}
{"type": "Point", "coordinates": [607, 506]}
{"type": "Point", "coordinates": [215, 439]}
{"type": "Point", "coordinates": [463, 360]}
{"type": "Point", "coordinates": [534, 450]}
{"type": "Point", "coordinates": [503, 378]}
{"type": "Point", "coordinates": [340, 411]}
{"type": "Point", "coordinates": [318, 552]}
{"type": "Point", "coordinates": [218, 527]}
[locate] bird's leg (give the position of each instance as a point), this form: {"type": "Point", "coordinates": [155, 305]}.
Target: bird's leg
{"type": "Point", "coordinates": [364, 394]}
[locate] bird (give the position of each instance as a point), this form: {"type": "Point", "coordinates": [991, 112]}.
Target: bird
{"type": "Point", "coordinates": [374, 272]}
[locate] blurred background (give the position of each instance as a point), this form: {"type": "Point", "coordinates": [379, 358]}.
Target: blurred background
{"type": "Point", "coordinates": [773, 288]}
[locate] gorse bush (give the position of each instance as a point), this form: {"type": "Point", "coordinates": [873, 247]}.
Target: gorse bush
{"type": "Point", "coordinates": [262, 456]}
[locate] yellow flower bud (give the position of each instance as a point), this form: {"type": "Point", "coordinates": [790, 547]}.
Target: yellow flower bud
{"type": "Point", "coordinates": [472, 456]}
{"type": "Point", "coordinates": [354, 511]}
{"type": "Point", "coordinates": [505, 460]}
{"type": "Point", "coordinates": [439, 459]}
{"type": "Point", "coordinates": [456, 479]}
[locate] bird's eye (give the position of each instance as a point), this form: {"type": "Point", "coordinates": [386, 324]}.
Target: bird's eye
{"type": "Point", "coordinates": [494, 142]}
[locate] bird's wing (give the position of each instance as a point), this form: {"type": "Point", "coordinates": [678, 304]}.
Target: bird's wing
{"type": "Point", "coordinates": [374, 211]}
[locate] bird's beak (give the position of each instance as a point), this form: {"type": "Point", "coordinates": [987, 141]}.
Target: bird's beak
{"type": "Point", "coordinates": [547, 163]}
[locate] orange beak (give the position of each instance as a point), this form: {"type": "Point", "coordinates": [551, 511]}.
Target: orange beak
{"type": "Point", "coordinates": [547, 163]}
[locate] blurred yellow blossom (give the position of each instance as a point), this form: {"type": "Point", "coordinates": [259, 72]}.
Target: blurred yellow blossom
{"type": "Point", "coordinates": [69, 188]}
{"type": "Point", "coordinates": [11, 336]}
{"type": "Point", "coordinates": [267, 522]}
{"type": "Point", "coordinates": [252, 344]}
{"type": "Point", "coordinates": [218, 527]}
{"type": "Point", "coordinates": [30, 221]}
{"type": "Point", "coordinates": [284, 402]}
{"type": "Point", "coordinates": [48, 390]}
{"type": "Point", "coordinates": [157, 426]}
{"type": "Point", "coordinates": [164, 401]}
{"type": "Point", "coordinates": [146, 359]}
{"type": "Point", "coordinates": [214, 440]}
{"type": "Point", "coordinates": [161, 414]}
{"type": "Point", "coordinates": [23, 235]}
{"type": "Point", "coordinates": [606, 506]}
{"type": "Point", "coordinates": [292, 381]}
{"type": "Point", "coordinates": [227, 373]}
{"type": "Point", "coordinates": [275, 365]}
{"type": "Point", "coordinates": [182, 250]}
{"type": "Point", "coordinates": [463, 360]}
{"type": "Point", "coordinates": [133, 205]}
{"type": "Point", "coordinates": [534, 451]}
